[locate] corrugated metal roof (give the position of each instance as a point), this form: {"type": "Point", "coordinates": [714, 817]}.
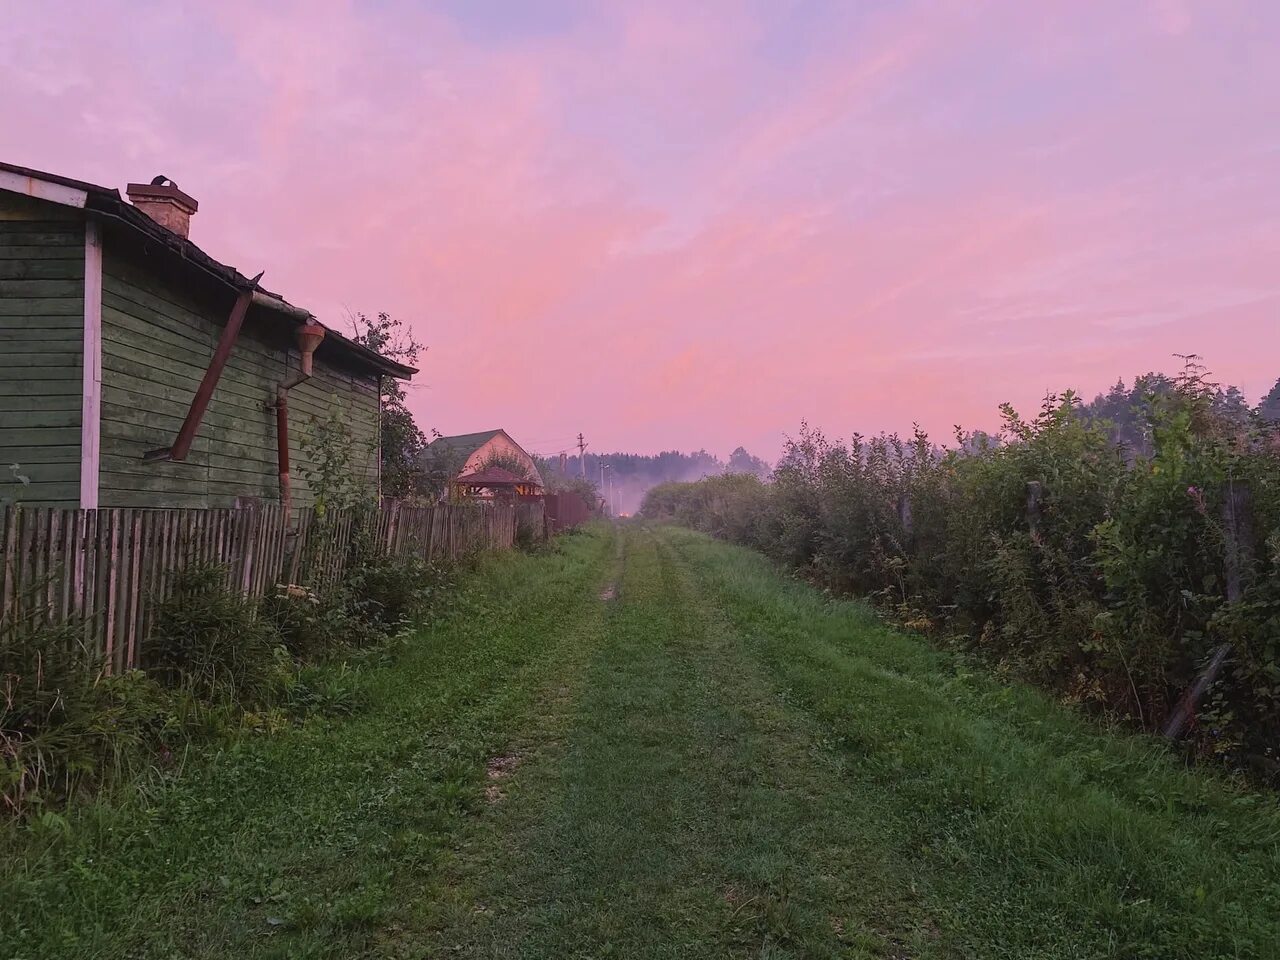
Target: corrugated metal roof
{"type": "Point", "coordinates": [463, 443]}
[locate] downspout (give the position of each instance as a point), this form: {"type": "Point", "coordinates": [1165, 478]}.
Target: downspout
{"type": "Point", "coordinates": [309, 337]}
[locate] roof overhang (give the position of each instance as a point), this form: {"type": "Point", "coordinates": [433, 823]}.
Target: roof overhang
{"type": "Point", "coordinates": [107, 202]}
{"type": "Point", "coordinates": [69, 193]}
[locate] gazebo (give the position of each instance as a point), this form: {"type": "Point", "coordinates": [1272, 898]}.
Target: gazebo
{"type": "Point", "coordinates": [494, 483]}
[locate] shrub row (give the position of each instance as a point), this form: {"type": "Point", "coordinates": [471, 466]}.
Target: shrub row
{"type": "Point", "coordinates": [1111, 589]}
{"type": "Point", "coordinates": [214, 661]}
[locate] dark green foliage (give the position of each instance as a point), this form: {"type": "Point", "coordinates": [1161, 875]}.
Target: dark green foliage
{"type": "Point", "coordinates": [314, 626]}
{"type": "Point", "coordinates": [1269, 407]}
{"type": "Point", "coordinates": [216, 663]}
{"type": "Point", "coordinates": [740, 461]}
{"type": "Point", "coordinates": [63, 726]}
{"type": "Point", "coordinates": [402, 442]}
{"type": "Point", "coordinates": [509, 462]}
{"type": "Point", "coordinates": [389, 592]}
{"type": "Point", "coordinates": [324, 692]}
{"type": "Point", "coordinates": [1112, 593]}
{"type": "Point", "coordinates": [208, 639]}
{"type": "Point", "coordinates": [719, 505]}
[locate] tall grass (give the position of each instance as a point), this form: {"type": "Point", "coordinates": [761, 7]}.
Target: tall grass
{"type": "Point", "coordinates": [1112, 592]}
{"type": "Point", "coordinates": [213, 663]}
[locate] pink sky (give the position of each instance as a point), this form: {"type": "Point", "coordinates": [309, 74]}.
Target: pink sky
{"type": "Point", "coordinates": [675, 225]}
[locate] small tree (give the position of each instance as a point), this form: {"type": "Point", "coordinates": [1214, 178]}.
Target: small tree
{"type": "Point", "coordinates": [510, 463]}
{"type": "Point", "coordinates": [554, 481]}
{"type": "Point", "coordinates": [402, 442]}
{"type": "Point", "coordinates": [1269, 408]}
{"type": "Point", "coordinates": [334, 467]}
{"type": "Point", "coordinates": [742, 462]}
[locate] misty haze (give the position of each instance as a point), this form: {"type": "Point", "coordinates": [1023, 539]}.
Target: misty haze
{"type": "Point", "coordinates": [545, 479]}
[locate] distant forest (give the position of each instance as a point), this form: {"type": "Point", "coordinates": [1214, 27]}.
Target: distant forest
{"type": "Point", "coordinates": [633, 474]}
{"type": "Point", "coordinates": [1126, 408]}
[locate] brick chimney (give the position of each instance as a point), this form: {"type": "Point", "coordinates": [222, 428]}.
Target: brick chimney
{"type": "Point", "coordinates": [163, 202]}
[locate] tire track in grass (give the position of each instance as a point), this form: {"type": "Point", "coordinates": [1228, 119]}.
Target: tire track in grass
{"type": "Point", "coordinates": [1027, 831]}
{"type": "Point", "coordinates": [452, 900]}
{"type": "Point", "coordinates": [811, 875]}
{"type": "Point", "coordinates": [677, 815]}
{"type": "Point", "coordinates": [581, 859]}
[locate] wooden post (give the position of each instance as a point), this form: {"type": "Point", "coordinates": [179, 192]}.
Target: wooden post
{"type": "Point", "coordinates": [1237, 527]}
{"type": "Point", "coordinates": [133, 598]}
{"type": "Point", "coordinates": [212, 374]}
{"type": "Point", "coordinates": [1237, 530]}
{"type": "Point", "coordinates": [1035, 503]}
{"type": "Point", "coordinates": [9, 592]}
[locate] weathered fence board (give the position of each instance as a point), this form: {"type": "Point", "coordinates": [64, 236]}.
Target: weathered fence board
{"type": "Point", "coordinates": [107, 569]}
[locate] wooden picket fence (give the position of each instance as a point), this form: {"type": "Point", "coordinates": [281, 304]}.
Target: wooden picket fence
{"type": "Point", "coordinates": [106, 570]}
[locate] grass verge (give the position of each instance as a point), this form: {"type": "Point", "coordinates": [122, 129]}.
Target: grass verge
{"type": "Point", "coordinates": [1022, 829]}
{"type": "Point", "coordinates": [307, 842]}
{"type": "Point", "coordinates": [710, 760]}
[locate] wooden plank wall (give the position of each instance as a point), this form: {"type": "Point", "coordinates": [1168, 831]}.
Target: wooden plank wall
{"type": "Point", "coordinates": [105, 570]}
{"type": "Point", "coordinates": [41, 333]}
{"type": "Point", "coordinates": [158, 335]}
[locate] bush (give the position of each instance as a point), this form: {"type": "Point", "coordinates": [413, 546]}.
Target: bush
{"type": "Point", "coordinates": [388, 592]}
{"type": "Point", "coordinates": [1111, 592]}
{"type": "Point", "coordinates": [215, 663]}
{"type": "Point", "coordinates": [207, 639]}
{"type": "Point", "coordinates": [312, 626]}
{"type": "Point", "coordinates": [326, 693]}
{"type": "Point", "coordinates": [63, 726]}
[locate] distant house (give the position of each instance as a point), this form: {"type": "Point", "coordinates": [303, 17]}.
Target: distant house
{"type": "Point", "coordinates": [137, 371]}
{"type": "Point", "coordinates": [485, 465]}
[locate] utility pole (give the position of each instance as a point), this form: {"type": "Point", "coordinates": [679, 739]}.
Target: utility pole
{"type": "Point", "coordinates": [582, 456]}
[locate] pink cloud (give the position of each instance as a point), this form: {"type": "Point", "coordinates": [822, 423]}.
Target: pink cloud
{"type": "Point", "coordinates": [674, 226]}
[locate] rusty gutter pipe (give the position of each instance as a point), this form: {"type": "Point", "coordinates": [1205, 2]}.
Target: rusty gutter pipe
{"type": "Point", "coordinates": [209, 382]}
{"type": "Point", "coordinates": [280, 305]}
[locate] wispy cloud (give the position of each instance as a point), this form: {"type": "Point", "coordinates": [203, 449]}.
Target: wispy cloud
{"type": "Point", "coordinates": [666, 224]}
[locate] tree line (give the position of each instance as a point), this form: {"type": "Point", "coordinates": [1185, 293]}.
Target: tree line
{"type": "Point", "coordinates": [1085, 548]}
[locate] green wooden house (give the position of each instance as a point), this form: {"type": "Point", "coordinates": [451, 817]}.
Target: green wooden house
{"type": "Point", "coordinates": [137, 371]}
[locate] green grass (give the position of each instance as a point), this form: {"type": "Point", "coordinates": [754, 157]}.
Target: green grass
{"type": "Point", "coordinates": [751, 770]}
{"type": "Point", "coordinates": [719, 762]}
{"type": "Point", "coordinates": [310, 842]}
{"type": "Point", "coordinates": [1020, 829]}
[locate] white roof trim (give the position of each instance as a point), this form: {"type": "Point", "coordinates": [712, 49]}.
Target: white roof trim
{"type": "Point", "coordinates": [42, 189]}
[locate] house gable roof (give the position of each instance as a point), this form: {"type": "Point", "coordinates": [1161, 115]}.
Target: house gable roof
{"type": "Point", "coordinates": [107, 202]}
{"type": "Point", "coordinates": [452, 453]}
{"type": "Point", "coordinates": [464, 444]}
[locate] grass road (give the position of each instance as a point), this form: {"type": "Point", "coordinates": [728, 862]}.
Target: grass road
{"type": "Point", "coordinates": [644, 744]}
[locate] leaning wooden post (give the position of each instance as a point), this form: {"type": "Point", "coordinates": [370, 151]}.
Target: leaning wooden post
{"type": "Point", "coordinates": [1237, 531]}
{"type": "Point", "coordinates": [1035, 508]}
